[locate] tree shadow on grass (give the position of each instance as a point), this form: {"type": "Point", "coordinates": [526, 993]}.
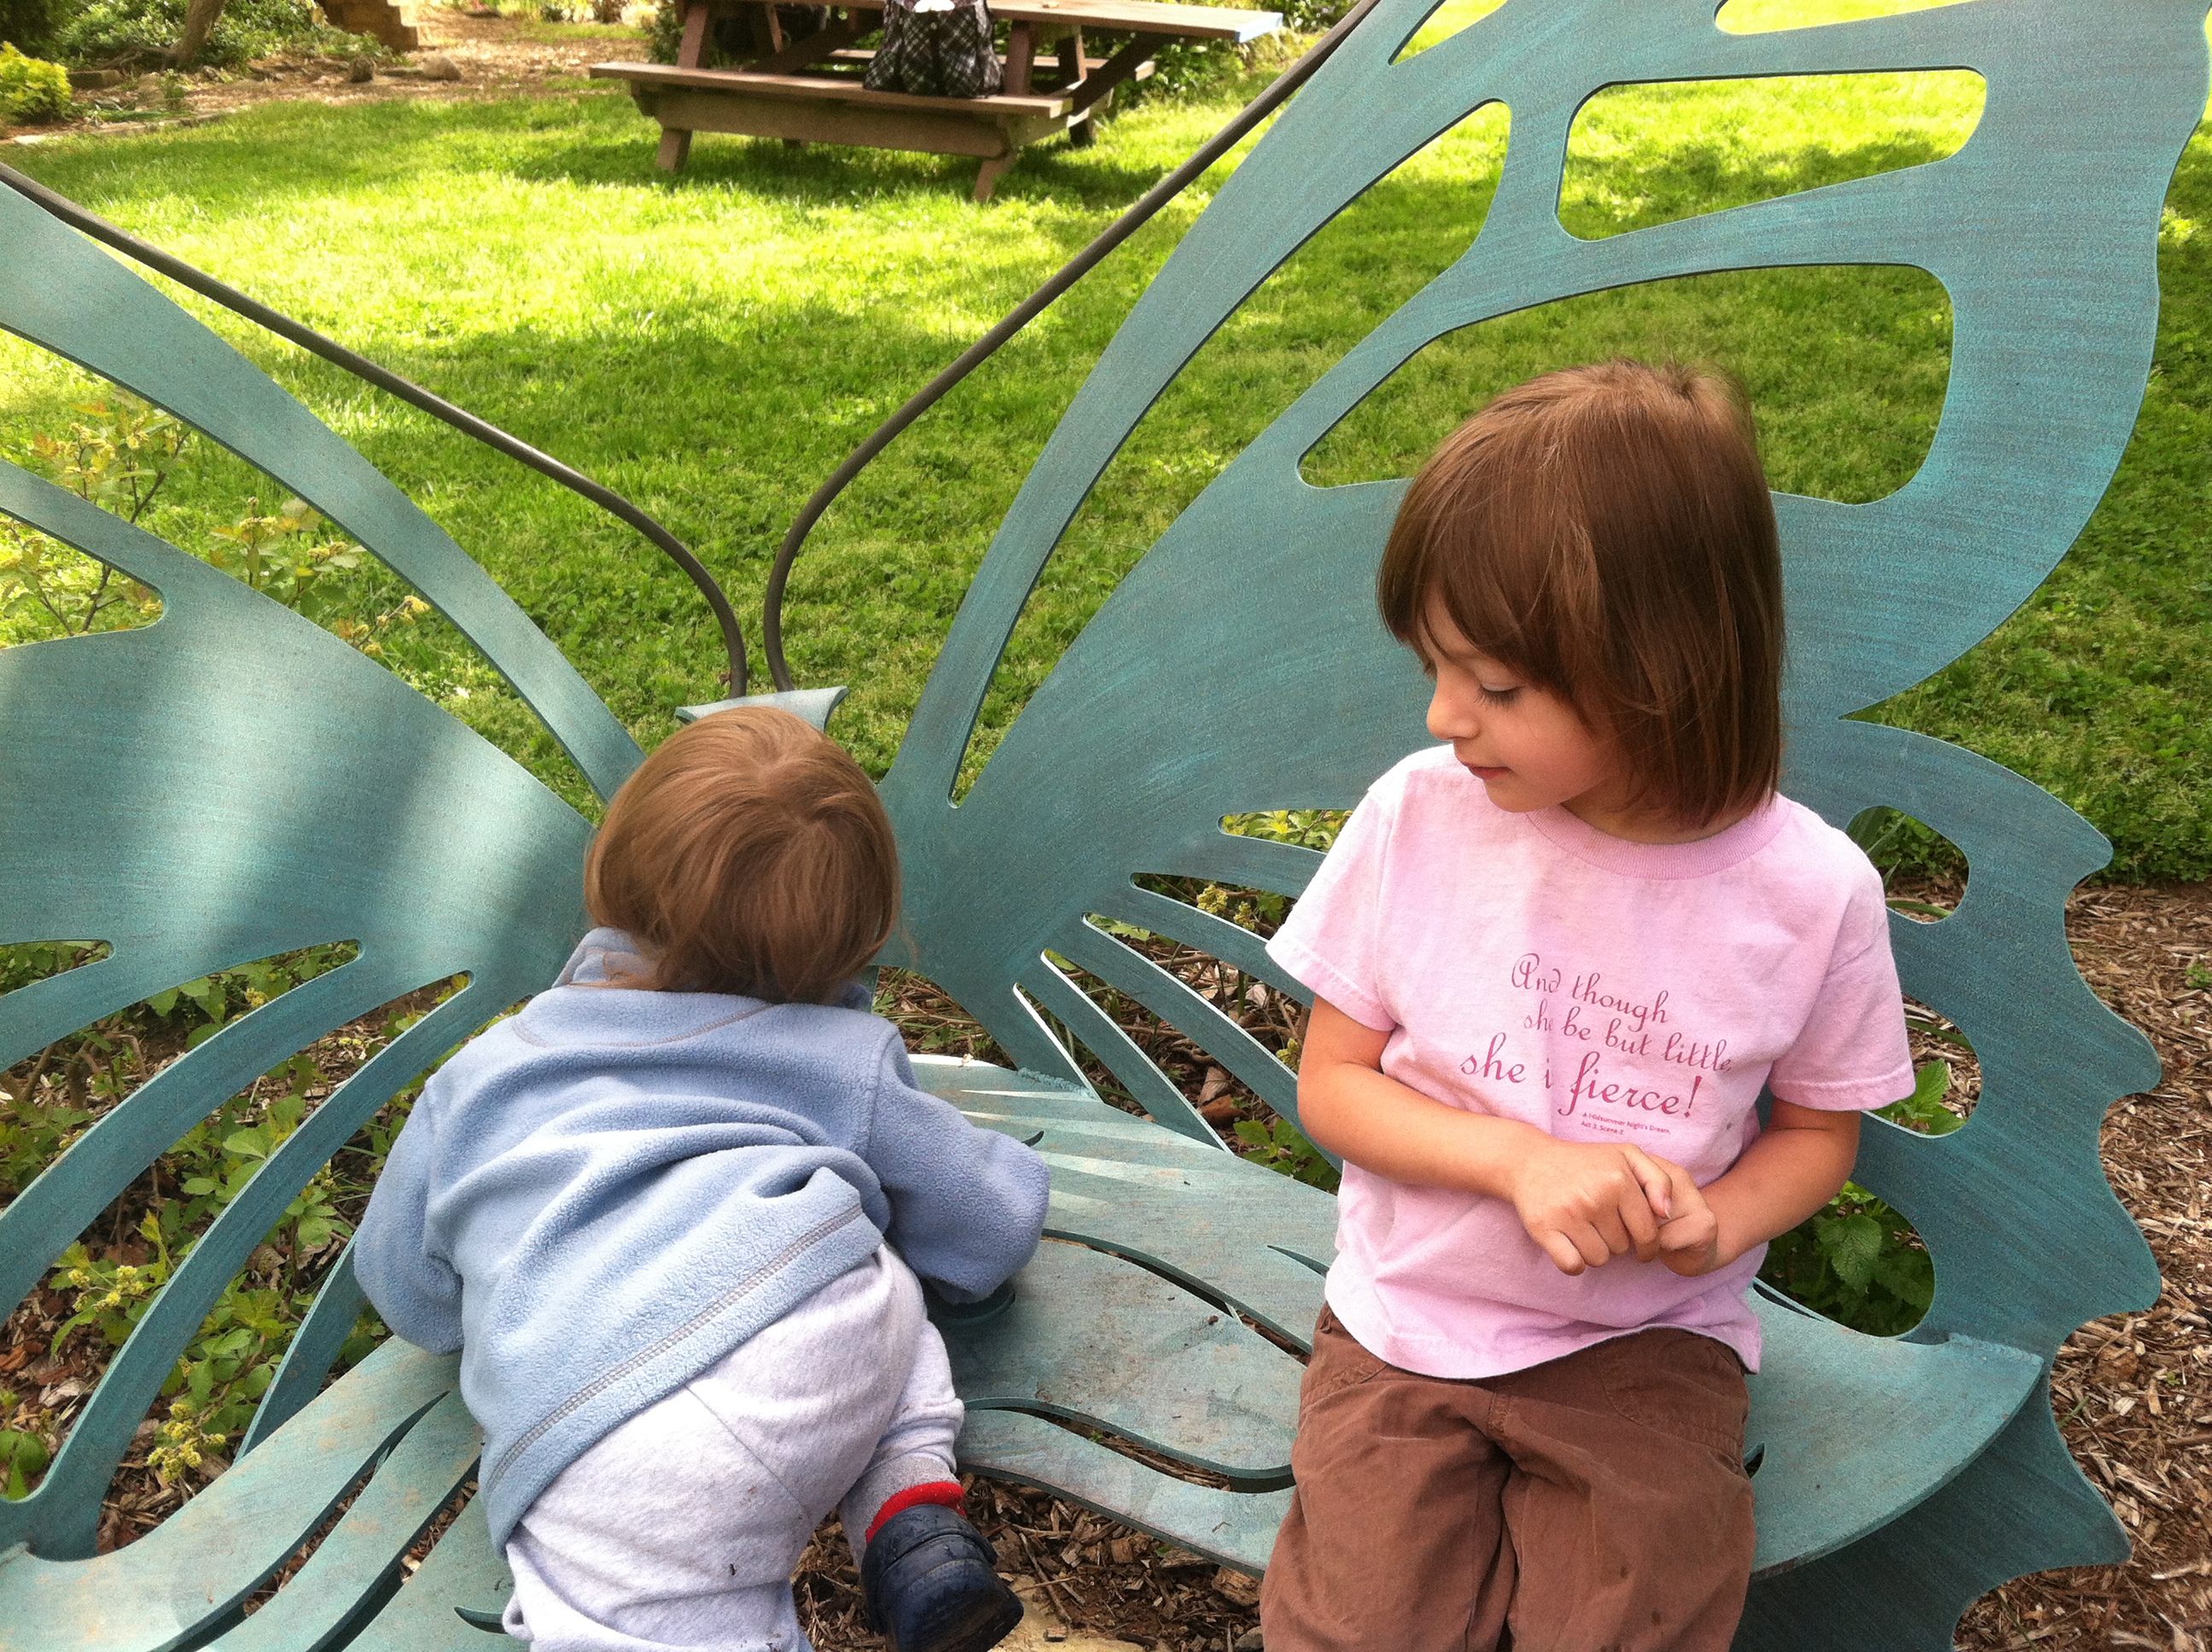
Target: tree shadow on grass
{"type": "Point", "coordinates": [832, 174]}
{"type": "Point", "coordinates": [1695, 178]}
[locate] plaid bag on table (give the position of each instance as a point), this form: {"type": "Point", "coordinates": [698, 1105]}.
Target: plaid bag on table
{"type": "Point", "coordinates": [936, 48]}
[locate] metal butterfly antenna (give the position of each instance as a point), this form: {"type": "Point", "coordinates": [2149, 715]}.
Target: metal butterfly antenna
{"type": "Point", "coordinates": [491, 436]}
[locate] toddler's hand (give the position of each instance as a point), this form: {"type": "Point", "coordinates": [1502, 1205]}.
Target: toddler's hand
{"type": "Point", "coordinates": [1689, 1242]}
{"type": "Point", "coordinates": [1587, 1202]}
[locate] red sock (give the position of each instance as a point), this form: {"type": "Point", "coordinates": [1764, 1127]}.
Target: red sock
{"type": "Point", "coordinates": [947, 1492]}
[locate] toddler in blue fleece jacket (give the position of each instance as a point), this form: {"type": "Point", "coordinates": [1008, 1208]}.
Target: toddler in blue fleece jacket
{"type": "Point", "coordinates": [671, 1215]}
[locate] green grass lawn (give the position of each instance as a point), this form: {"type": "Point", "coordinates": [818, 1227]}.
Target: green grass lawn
{"type": "Point", "coordinates": [713, 345]}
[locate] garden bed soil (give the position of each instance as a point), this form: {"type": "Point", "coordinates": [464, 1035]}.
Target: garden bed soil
{"type": "Point", "coordinates": [2133, 1393]}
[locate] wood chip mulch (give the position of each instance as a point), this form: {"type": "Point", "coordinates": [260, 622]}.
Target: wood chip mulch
{"type": "Point", "coordinates": [2134, 1393]}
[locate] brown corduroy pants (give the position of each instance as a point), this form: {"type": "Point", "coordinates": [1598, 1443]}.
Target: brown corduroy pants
{"type": "Point", "coordinates": [1593, 1503]}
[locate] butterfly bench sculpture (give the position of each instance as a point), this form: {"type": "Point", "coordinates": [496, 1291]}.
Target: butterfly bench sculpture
{"type": "Point", "coordinates": [151, 798]}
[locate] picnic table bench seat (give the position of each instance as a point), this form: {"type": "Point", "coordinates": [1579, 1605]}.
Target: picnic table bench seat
{"type": "Point", "coordinates": [1147, 1366]}
{"type": "Point", "coordinates": [808, 89]}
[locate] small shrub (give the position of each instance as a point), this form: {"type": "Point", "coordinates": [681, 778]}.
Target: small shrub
{"type": "Point", "coordinates": [215, 1387]}
{"type": "Point", "coordinates": [141, 31]}
{"type": "Point", "coordinates": [1859, 1262]}
{"type": "Point", "coordinates": [1856, 1262]}
{"type": "Point", "coordinates": [1896, 842]}
{"type": "Point", "coordinates": [32, 91]}
{"type": "Point", "coordinates": [665, 34]}
{"type": "Point", "coordinates": [30, 24]}
{"type": "Point", "coordinates": [118, 457]}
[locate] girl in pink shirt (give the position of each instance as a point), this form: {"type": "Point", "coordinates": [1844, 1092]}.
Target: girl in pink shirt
{"type": "Point", "coordinates": [1555, 964]}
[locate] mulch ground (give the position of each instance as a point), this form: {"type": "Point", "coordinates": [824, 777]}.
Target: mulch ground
{"type": "Point", "coordinates": [2134, 1393]}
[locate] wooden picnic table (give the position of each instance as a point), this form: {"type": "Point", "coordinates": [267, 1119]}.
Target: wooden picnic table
{"type": "Point", "coordinates": [808, 89]}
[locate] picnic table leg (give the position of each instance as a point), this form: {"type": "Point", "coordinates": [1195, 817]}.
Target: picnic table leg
{"type": "Point", "coordinates": [1069, 59]}
{"type": "Point", "coordinates": [1021, 55]}
{"type": "Point", "coordinates": [987, 178]}
{"type": "Point", "coordinates": [675, 141]}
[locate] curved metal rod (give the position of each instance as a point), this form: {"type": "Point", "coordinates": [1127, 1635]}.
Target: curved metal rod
{"type": "Point", "coordinates": [733, 636]}
{"type": "Point", "coordinates": [1030, 308]}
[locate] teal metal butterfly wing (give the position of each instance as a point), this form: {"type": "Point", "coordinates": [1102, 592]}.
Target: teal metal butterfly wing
{"type": "Point", "coordinates": [229, 783]}
{"type": "Point", "coordinates": [234, 782]}
{"type": "Point", "coordinates": [1240, 667]}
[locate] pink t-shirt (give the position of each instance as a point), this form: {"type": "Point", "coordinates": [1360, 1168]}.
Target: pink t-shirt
{"type": "Point", "coordinates": [1532, 966]}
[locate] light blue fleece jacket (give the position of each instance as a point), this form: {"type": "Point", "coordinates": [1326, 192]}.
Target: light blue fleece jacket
{"type": "Point", "coordinates": [601, 1197]}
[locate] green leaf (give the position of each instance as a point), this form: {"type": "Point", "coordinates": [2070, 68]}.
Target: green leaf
{"type": "Point", "coordinates": [25, 1455]}
{"type": "Point", "coordinates": [1909, 1274]}
{"type": "Point", "coordinates": [1852, 1244]}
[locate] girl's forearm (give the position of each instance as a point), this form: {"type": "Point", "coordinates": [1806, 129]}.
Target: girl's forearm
{"type": "Point", "coordinates": [1788, 1174]}
{"type": "Point", "coordinates": [1395, 1132]}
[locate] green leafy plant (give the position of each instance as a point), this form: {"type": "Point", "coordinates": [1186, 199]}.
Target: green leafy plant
{"type": "Point", "coordinates": [1896, 842]}
{"type": "Point", "coordinates": [118, 456]}
{"type": "Point", "coordinates": [233, 1355]}
{"type": "Point", "coordinates": [32, 91]}
{"type": "Point", "coordinates": [278, 555]}
{"type": "Point", "coordinates": [1859, 1262]}
{"type": "Point", "coordinates": [1279, 1147]}
{"type": "Point", "coordinates": [25, 961]}
{"type": "Point", "coordinates": [219, 997]}
{"type": "Point", "coordinates": [30, 23]}
{"type": "Point", "coordinates": [1309, 829]}
{"type": "Point", "coordinates": [225, 1369]}
{"type": "Point", "coordinates": [139, 34]}
{"type": "Point", "coordinates": [1923, 1111]}
{"type": "Point", "coordinates": [23, 1456]}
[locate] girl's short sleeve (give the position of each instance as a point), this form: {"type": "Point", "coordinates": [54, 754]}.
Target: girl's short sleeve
{"type": "Point", "coordinates": [1329, 941]}
{"type": "Point", "coordinates": [1852, 1054]}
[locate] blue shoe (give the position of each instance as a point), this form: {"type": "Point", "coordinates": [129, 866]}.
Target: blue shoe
{"type": "Point", "coordinates": [928, 1583]}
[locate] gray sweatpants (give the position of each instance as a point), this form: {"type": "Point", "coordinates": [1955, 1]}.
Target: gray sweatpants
{"type": "Point", "coordinates": [681, 1527]}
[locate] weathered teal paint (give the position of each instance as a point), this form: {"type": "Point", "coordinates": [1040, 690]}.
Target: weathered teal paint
{"type": "Point", "coordinates": [236, 783]}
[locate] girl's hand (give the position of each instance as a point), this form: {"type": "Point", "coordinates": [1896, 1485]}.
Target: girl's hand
{"type": "Point", "coordinates": [1587, 1202]}
{"type": "Point", "coordinates": [1690, 1242]}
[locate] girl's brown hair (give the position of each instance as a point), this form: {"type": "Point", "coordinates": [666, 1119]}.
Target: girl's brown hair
{"type": "Point", "coordinates": [1607, 533]}
{"type": "Point", "coordinates": [749, 854]}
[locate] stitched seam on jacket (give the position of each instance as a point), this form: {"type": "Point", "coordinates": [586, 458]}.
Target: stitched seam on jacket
{"type": "Point", "coordinates": [592, 1390]}
{"type": "Point", "coordinates": [523, 1031]}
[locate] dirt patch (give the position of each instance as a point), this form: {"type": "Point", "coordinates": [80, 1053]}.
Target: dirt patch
{"type": "Point", "coordinates": [494, 57]}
